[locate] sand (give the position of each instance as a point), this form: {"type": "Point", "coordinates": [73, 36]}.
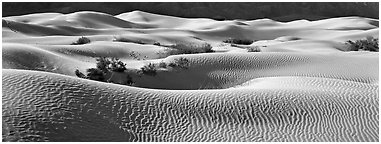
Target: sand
{"type": "Point", "coordinates": [302, 86]}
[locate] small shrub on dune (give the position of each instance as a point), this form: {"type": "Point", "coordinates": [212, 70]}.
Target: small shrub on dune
{"type": "Point", "coordinates": [102, 63]}
{"type": "Point", "coordinates": [238, 41]}
{"type": "Point", "coordinates": [163, 65]}
{"type": "Point", "coordinates": [149, 69]}
{"type": "Point", "coordinates": [82, 40]}
{"type": "Point", "coordinates": [189, 49]}
{"type": "Point", "coordinates": [180, 62]}
{"type": "Point", "coordinates": [368, 44]}
{"type": "Point", "coordinates": [113, 64]}
{"type": "Point", "coordinates": [254, 49]}
{"type": "Point", "coordinates": [105, 66]}
{"type": "Point", "coordinates": [135, 55]}
{"type": "Point", "coordinates": [79, 74]}
{"type": "Point", "coordinates": [116, 65]}
{"type": "Point", "coordinates": [156, 44]}
{"type": "Point", "coordinates": [95, 74]}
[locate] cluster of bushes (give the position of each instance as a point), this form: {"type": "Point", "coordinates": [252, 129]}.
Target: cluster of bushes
{"type": "Point", "coordinates": [238, 41]}
{"type": "Point", "coordinates": [104, 66]}
{"type": "Point", "coordinates": [186, 49]}
{"type": "Point", "coordinates": [253, 49]}
{"type": "Point", "coordinates": [151, 68]}
{"type": "Point", "coordinates": [190, 49]}
{"type": "Point", "coordinates": [81, 40]}
{"type": "Point", "coordinates": [137, 56]}
{"type": "Point", "coordinates": [368, 44]}
{"type": "Point", "coordinates": [180, 63]}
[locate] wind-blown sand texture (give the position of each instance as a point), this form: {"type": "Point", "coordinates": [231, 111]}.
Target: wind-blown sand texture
{"type": "Point", "coordinates": [302, 86]}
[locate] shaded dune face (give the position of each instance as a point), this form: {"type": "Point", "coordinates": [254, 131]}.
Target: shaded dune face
{"type": "Point", "coordinates": [40, 106]}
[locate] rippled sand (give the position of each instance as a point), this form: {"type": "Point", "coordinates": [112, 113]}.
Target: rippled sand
{"type": "Point", "coordinates": [301, 87]}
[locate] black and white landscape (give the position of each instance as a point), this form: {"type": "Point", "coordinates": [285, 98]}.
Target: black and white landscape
{"type": "Point", "coordinates": [136, 76]}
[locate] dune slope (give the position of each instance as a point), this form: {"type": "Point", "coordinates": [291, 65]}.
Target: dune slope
{"type": "Point", "coordinates": [303, 85]}
{"type": "Point", "coordinates": [63, 108]}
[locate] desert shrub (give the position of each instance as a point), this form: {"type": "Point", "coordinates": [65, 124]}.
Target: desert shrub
{"type": "Point", "coordinates": [82, 40]}
{"type": "Point", "coordinates": [238, 41]}
{"type": "Point", "coordinates": [185, 49]}
{"type": "Point", "coordinates": [157, 44]}
{"type": "Point", "coordinates": [114, 64]}
{"type": "Point", "coordinates": [79, 74]}
{"type": "Point", "coordinates": [95, 74]}
{"type": "Point", "coordinates": [102, 63]}
{"type": "Point", "coordinates": [163, 65]}
{"type": "Point", "coordinates": [254, 49]}
{"type": "Point", "coordinates": [180, 62]}
{"type": "Point", "coordinates": [172, 64]}
{"type": "Point", "coordinates": [149, 69]}
{"type": "Point", "coordinates": [104, 66]}
{"type": "Point", "coordinates": [189, 49]}
{"type": "Point", "coordinates": [135, 55]}
{"type": "Point", "coordinates": [368, 44]}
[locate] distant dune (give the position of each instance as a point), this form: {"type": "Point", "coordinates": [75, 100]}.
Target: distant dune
{"type": "Point", "coordinates": [302, 86]}
{"type": "Point", "coordinates": [280, 11]}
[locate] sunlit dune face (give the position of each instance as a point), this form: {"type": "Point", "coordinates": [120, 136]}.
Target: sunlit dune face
{"type": "Point", "coordinates": [143, 77]}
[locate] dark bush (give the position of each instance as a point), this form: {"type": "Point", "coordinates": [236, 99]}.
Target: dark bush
{"type": "Point", "coordinates": [135, 55]}
{"type": "Point", "coordinates": [163, 65]}
{"type": "Point", "coordinates": [156, 43]}
{"type": "Point", "coordinates": [103, 67]}
{"type": "Point", "coordinates": [180, 62]}
{"type": "Point", "coordinates": [82, 40]}
{"type": "Point", "coordinates": [368, 44]}
{"type": "Point", "coordinates": [95, 74]}
{"type": "Point", "coordinates": [102, 63]}
{"type": "Point", "coordinates": [113, 64]}
{"type": "Point", "coordinates": [185, 49]}
{"type": "Point", "coordinates": [116, 65]}
{"type": "Point", "coordinates": [79, 74]}
{"type": "Point", "coordinates": [254, 49]}
{"type": "Point", "coordinates": [149, 69]}
{"type": "Point", "coordinates": [238, 41]}
{"type": "Point", "coordinates": [190, 49]}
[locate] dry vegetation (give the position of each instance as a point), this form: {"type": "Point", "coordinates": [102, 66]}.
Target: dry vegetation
{"type": "Point", "coordinates": [81, 41]}
{"type": "Point", "coordinates": [367, 44]}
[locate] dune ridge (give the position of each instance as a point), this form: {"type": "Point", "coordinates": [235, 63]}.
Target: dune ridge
{"type": "Point", "coordinates": [304, 86]}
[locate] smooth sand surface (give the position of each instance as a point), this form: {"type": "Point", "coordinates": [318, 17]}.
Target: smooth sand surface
{"type": "Point", "coordinates": [302, 86]}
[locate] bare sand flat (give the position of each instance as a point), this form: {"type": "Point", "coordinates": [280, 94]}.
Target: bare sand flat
{"type": "Point", "coordinates": [302, 86]}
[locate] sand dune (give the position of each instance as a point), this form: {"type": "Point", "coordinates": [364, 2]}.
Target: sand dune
{"type": "Point", "coordinates": [230, 69]}
{"type": "Point", "coordinates": [63, 108]}
{"type": "Point", "coordinates": [302, 86]}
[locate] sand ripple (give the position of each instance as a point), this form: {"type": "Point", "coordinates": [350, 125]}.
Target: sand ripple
{"type": "Point", "coordinates": [39, 106]}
